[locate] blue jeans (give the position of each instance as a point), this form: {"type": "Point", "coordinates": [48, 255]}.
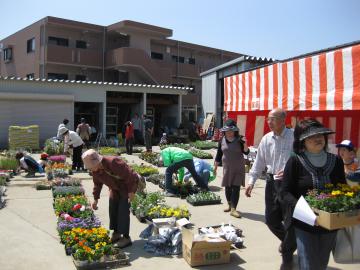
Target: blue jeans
{"type": "Point", "coordinates": [314, 249]}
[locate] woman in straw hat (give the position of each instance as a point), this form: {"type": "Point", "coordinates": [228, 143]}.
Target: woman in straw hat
{"type": "Point", "coordinates": [312, 167]}
{"type": "Point", "coordinates": [230, 151]}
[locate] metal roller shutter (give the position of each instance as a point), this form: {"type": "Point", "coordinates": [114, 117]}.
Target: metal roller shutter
{"type": "Point", "coordinates": [45, 113]}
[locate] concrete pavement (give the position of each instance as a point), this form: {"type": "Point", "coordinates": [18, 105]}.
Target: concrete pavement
{"type": "Point", "coordinates": [29, 240]}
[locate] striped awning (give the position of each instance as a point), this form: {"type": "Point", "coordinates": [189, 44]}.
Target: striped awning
{"type": "Point", "coordinates": [325, 81]}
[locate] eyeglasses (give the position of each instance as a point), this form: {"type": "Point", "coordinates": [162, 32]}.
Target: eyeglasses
{"type": "Point", "coordinates": [271, 119]}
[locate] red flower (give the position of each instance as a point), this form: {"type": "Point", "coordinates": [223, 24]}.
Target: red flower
{"type": "Point", "coordinates": [76, 207]}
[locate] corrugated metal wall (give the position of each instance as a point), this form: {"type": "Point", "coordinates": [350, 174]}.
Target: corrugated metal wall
{"type": "Point", "coordinates": [209, 86]}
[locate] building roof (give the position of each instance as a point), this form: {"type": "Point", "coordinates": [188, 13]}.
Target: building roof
{"type": "Point", "coordinates": [244, 58]}
{"type": "Point", "coordinates": [97, 83]}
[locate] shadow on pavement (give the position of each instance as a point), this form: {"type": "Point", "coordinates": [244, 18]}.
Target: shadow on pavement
{"type": "Point", "coordinates": [252, 216]}
{"type": "Point", "coordinates": [215, 188]}
{"type": "Point", "coordinates": [136, 250]}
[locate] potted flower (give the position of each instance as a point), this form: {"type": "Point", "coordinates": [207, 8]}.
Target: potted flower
{"type": "Point", "coordinates": [336, 206]}
{"type": "Point", "coordinates": [144, 170]}
{"type": "Point", "coordinates": [164, 211]}
{"type": "Point", "coordinates": [203, 198]}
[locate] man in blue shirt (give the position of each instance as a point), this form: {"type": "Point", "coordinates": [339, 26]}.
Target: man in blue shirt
{"type": "Point", "coordinates": [202, 168]}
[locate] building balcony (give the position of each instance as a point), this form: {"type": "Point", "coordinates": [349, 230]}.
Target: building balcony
{"type": "Point", "coordinates": [130, 58]}
{"type": "Point", "coordinates": [74, 56]}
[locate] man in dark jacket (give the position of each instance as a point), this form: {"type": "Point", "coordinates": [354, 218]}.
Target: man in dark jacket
{"type": "Point", "coordinates": [122, 182]}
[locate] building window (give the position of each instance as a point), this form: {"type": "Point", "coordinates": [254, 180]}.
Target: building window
{"type": "Point", "coordinates": [158, 56]}
{"type": "Point", "coordinates": [30, 76]}
{"type": "Point", "coordinates": [59, 41]}
{"type": "Point", "coordinates": [179, 59]}
{"type": "Point", "coordinates": [57, 76]}
{"type": "Point", "coordinates": [80, 44]}
{"type": "Point", "coordinates": [30, 45]}
{"type": "Point", "coordinates": [191, 61]}
{"type": "Point", "coordinates": [80, 78]}
{"type": "Point", "coordinates": [7, 54]}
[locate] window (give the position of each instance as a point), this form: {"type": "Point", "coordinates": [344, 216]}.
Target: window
{"type": "Point", "coordinates": [30, 76]}
{"type": "Point", "coordinates": [59, 41]}
{"type": "Point", "coordinates": [191, 61]}
{"type": "Point", "coordinates": [7, 54]}
{"type": "Point", "coordinates": [57, 76]}
{"type": "Point", "coordinates": [80, 78]}
{"type": "Point", "coordinates": [30, 45]}
{"type": "Point", "coordinates": [158, 56]}
{"type": "Point", "coordinates": [179, 59]}
{"type": "Point", "coordinates": [80, 44]}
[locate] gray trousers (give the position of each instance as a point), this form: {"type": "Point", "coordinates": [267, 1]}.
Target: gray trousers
{"type": "Point", "coordinates": [148, 144]}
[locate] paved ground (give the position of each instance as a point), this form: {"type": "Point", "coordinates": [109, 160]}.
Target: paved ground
{"type": "Point", "coordinates": [29, 240]}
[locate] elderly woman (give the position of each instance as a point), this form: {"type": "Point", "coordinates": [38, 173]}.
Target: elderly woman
{"type": "Point", "coordinates": [230, 151]}
{"type": "Point", "coordinates": [311, 167]}
{"type": "Point", "coordinates": [123, 182]}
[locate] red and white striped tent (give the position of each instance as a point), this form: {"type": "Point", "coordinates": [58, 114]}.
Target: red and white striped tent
{"type": "Point", "coordinates": [324, 85]}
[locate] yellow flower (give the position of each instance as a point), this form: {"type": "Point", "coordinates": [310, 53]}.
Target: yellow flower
{"type": "Point", "coordinates": [336, 192]}
{"type": "Point", "coordinates": [349, 194]}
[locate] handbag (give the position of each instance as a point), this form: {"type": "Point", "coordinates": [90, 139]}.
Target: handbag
{"type": "Point", "coordinates": [347, 248]}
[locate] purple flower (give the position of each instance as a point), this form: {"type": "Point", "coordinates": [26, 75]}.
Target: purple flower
{"type": "Point", "coordinates": [86, 223]}
{"type": "Point", "coordinates": [322, 196]}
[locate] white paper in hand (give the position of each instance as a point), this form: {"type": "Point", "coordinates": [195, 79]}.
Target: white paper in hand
{"type": "Point", "coordinates": [303, 212]}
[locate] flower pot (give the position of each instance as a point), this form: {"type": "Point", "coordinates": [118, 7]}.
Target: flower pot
{"type": "Point", "coordinates": [68, 250]}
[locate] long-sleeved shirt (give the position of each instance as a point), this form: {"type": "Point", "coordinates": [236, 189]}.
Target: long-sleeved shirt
{"type": "Point", "coordinates": [129, 132]}
{"type": "Point", "coordinates": [200, 167]}
{"type": "Point", "coordinates": [137, 123]}
{"type": "Point", "coordinates": [273, 153]}
{"type": "Point", "coordinates": [117, 175]}
{"type": "Point", "coordinates": [72, 138]}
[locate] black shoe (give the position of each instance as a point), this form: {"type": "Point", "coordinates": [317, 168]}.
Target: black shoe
{"type": "Point", "coordinates": [287, 262]}
{"type": "Point", "coordinates": [286, 266]}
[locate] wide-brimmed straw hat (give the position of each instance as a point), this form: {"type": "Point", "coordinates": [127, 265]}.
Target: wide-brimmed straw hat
{"type": "Point", "coordinates": [230, 125]}
{"type": "Point", "coordinates": [62, 130]}
{"type": "Point", "coordinates": [315, 131]}
{"type": "Point", "coordinates": [91, 159]}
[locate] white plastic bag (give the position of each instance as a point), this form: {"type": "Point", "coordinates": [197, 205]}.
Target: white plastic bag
{"type": "Point", "coordinates": [347, 249]}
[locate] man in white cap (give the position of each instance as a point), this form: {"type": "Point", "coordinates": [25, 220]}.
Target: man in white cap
{"type": "Point", "coordinates": [122, 182]}
{"type": "Point", "coordinates": [73, 140]}
{"type": "Point", "coordinates": [347, 152]}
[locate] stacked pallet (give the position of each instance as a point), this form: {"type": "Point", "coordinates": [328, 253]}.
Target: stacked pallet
{"type": "Point", "coordinates": [24, 137]}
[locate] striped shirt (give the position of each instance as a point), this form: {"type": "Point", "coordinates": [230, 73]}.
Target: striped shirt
{"type": "Point", "coordinates": [272, 155]}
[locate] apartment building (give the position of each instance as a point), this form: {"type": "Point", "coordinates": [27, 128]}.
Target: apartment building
{"type": "Point", "coordinates": [127, 52]}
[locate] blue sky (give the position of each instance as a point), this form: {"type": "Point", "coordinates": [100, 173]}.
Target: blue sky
{"type": "Point", "coordinates": [274, 28]}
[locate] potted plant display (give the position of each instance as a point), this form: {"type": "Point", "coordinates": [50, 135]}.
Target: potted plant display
{"type": "Point", "coordinates": [336, 206]}
{"type": "Point", "coordinates": [203, 198]}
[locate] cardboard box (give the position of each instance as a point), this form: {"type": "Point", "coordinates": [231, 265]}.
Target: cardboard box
{"type": "Point", "coordinates": [204, 251]}
{"type": "Point", "coordinates": [163, 223]}
{"type": "Point", "coordinates": [333, 221]}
